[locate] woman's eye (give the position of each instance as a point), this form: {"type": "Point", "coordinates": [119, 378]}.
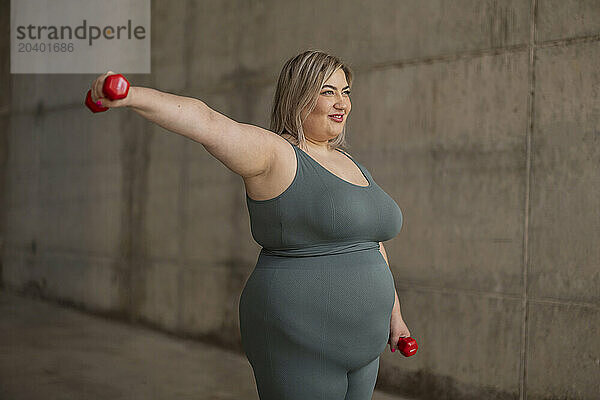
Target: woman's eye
{"type": "Point", "coordinates": [331, 91]}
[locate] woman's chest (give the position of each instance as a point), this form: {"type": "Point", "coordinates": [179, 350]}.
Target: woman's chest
{"type": "Point", "coordinates": [328, 211]}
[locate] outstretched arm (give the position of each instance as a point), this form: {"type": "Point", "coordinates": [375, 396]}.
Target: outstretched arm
{"type": "Point", "coordinates": [245, 149]}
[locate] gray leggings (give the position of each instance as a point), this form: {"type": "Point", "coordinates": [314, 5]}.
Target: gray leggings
{"type": "Point", "coordinates": [314, 327]}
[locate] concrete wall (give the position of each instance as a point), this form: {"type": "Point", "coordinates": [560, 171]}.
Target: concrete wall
{"type": "Point", "coordinates": [480, 118]}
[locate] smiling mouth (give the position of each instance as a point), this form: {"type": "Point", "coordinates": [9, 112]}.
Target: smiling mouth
{"type": "Point", "coordinates": [337, 117]}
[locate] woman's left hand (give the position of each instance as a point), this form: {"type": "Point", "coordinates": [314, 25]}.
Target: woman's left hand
{"type": "Point", "coordinates": [398, 329]}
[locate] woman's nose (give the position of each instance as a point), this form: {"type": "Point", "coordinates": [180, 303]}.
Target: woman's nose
{"type": "Point", "coordinates": [341, 105]}
{"type": "Point", "coordinates": [342, 102]}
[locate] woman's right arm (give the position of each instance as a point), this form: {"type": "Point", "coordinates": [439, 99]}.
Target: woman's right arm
{"type": "Point", "coordinates": [245, 149]}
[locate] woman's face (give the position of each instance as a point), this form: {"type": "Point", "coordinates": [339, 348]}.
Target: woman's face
{"type": "Point", "coordinates": [333, 99]}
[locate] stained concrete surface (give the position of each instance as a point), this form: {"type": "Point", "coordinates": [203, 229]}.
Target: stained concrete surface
{"type": "Point", "coordinates": [53, 352]}
{"type": "Point", "coordinates": [479, 118]}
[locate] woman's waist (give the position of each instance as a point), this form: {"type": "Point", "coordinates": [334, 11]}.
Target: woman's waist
{"type": "Point", "coordinates": [321, 249]}
{"type": "Point", "coordinates": [322, 255]}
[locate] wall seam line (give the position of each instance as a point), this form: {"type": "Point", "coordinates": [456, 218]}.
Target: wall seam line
{"type": "Point", "coordinates": [528, 174]}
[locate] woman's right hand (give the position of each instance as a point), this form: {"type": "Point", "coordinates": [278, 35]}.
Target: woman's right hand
{"type": "Point", "coordinates": [98, 95]}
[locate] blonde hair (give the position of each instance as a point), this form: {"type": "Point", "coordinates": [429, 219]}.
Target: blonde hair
{"type": "Point", "coordinates": [300, 81]}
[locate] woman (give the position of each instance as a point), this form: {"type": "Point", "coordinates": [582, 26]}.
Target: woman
{"type": "Point", "coordinates": [320, 304]}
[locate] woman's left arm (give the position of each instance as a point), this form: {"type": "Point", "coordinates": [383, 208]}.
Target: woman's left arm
{"type": "Point", "coordinates": [396, 308]}
{"type": "Point", "coordinates": [398, 327]}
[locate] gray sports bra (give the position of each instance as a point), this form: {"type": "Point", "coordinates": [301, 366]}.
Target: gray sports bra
{"type": "Point", "coordinates": [320, 213]}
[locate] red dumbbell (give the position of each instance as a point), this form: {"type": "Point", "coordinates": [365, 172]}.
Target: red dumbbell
{"type": "Point", "coordinates": [115, 87]}
{"type": "Point", "coordinates": [407, 346]}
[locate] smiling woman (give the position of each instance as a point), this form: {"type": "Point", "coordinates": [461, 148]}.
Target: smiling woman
{"type": "Point", "coordinates": [315, 313]}
{"type": "Point", "coordinates": [320, 305]}
{"type": "Point", "coordinates": [296, 105]}
{"type": "Point", "coordinates": [332, 104]}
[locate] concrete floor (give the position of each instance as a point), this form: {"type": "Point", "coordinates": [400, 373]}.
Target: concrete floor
{"type": "Point", "coordinates": [52, 352]}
